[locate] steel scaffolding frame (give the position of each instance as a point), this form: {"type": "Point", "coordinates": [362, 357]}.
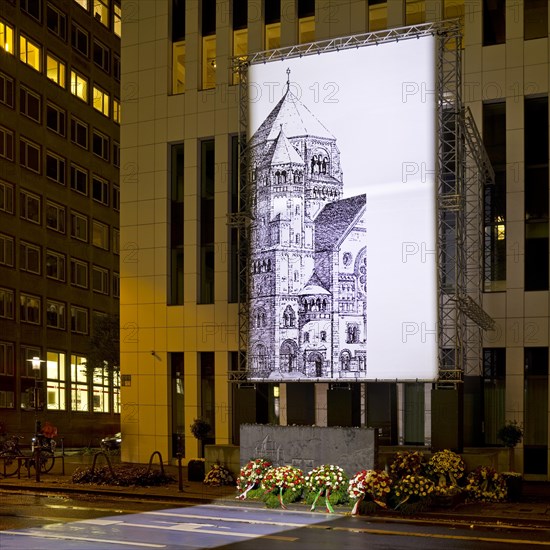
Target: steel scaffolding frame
{"type": "Point", "coordinates": [463, 169]}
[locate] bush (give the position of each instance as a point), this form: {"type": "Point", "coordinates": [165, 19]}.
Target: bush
{"type": "Point", "coordinates": [125, 476]}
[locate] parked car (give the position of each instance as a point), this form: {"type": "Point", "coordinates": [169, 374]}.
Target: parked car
{"type": "Point", "coordinates": [112, 442]}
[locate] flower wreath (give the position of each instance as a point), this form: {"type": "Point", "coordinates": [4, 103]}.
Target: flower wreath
{"type": "Point", "coordinates": [375, 484]}
{"type": "Point", "coordinates": [413, 487]}
{"type": "Point", "coordinates": [251, 475]}
{"type": "Point", "coordinates": [218, 475]}
{"type": "Point", "coordinates": [325, 480]}
{"type": "Point", "coordinates": [284, 480]}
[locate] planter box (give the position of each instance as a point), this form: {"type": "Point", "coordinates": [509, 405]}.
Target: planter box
{"type": "Point", "coordinates": [195, 470]}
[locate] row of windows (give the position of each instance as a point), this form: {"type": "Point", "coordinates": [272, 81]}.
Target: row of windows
{"type": "Point", "coordinates": [55, 314]}
{"type": "Point", "coordinates": [55, 169]}
{"type": "Point", "coordinates": [56, 20]}
{"type": "Point", "coordinates": [54, 265]}
{"type": "Point", "coordinates": [31, 106]}
{"type": "Point", "coordinates": [31, 53]}
{"type": "Point", "coordinates": [60, 386]}
{"type": "Point", "coordinates": [30, 209]}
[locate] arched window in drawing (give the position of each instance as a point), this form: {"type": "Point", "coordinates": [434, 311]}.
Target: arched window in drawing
{"type": "Point", "coordinates": [277, 177]}
{"type": "Point", "coordinates": [288, 354]}
{"type": "Point", "coordinates": [323, 335]}
{"type": "Point", "coordinates": [283, 176]}
{"type": "Point", "coordinates": [352, 333]}
{"type": "Point", "coordinates": [345, 359]}
{"type": "Point", "coordinates": [289, 317]}
{"type": "Point", "coordinates": [313, 164]}
{"type": "Point", "coordinates": [260, 358]}
{"type": "Point", "coordinates": [324, 165]}
{"type": "Point", "coordinates": [360, 270]}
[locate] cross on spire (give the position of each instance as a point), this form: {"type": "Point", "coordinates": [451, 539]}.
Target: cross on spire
{"type": "Point", "coordinates": [288, 79]}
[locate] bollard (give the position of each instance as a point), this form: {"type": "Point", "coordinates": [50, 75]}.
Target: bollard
{"type": "Point", "coordinates": [180, 473]}
{"type": "Point", "coordinates": [37, 462]}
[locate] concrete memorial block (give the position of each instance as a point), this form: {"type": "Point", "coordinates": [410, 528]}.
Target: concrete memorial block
{"type": "Point", "coordinates": [307, 447]}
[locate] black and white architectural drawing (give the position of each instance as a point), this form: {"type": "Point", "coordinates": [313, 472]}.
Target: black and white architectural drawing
{"type": "Point", "coordinates": [308, 299]}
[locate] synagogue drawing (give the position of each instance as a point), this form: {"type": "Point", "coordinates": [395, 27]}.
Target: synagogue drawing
{"type": "Point", "coordinates": [308, 301]}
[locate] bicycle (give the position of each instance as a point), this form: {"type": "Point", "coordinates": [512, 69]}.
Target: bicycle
{"type": "Point", "coordinates": [11, 455]}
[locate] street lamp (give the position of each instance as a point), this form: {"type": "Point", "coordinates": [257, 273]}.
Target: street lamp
{"type": "Point", "coordinates": [36, 366]}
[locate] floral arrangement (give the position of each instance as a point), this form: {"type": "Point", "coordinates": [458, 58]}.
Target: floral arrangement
{"type": "Point", "coordinates": [282, 482]}
{"type": "Point", "coordinates": [218, 475]}
{"type": "Point", "coordinates": [406, 462]}
{"type": "Point", "coordinates": [327, 480]}
{"type": "Point", "coordinates": [375, 484]}
{"type": "Point", "coordinates": [447, 468]}
{"type": "Point", "coordinates": [510, 434]}
{"type": "Point", "coordinates": [486, 485]}
{"type": "Point", "coordinates": [251, 475]}
{"type": "Point", "coordinates": [412, 488]}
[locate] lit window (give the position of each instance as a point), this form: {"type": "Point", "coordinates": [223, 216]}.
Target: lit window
{"type": "Point", "coordinates": [116, 110]}
{"type": "Point", "coordinates": [101, 390]}
{"type": "Point", "coordinates": [79, 273]}
{"type": "Point", "coordinates": [378, 16]}
{"type": "Point", "coordinates": [101, 101]}
{"type": "Point", "coordinates": [79, 320]}
{"type": "Point", "coordinates": [6, 197]}
{"type": "Point", "coordinates": [83, 3]}
{"type": "Point", "coordinates": [79, 86]}
{"type": "Point", "coordinates": [6, 37]}
{"type": "Point", "coordinates": [80, 391]}
{"type": "Point", "coordinates": [208, 62]}
{"type": "Point", "coordinates": [100, 235]}
{"type": "Point", "coordinates": [55, 70]}
{"type": "Point", "coordinates": [79, 226]}
{"type": "Point", "coordinates": [29, 207]}
{"type": "Point", "coordinates": [55, 217]}
{"type": "Point", "coordinates": [6, 250]}
{"type": "Point", "coordinates": [29, 155]}
{"type": "Point", "coordinates": [178, 67]}
{"type": "Point", "coordinates": [117, 19]}
{"type": "Point", "coordinates": [7, 299]}
{"type": "Point", "coordinates": [101, 11]}
{"type": "Point", "coordinates": [415, 12]}
{"type": "Point", "coordinates": [306, 30]}
{"type": "Point", "coordinates": [100, 280]}
{"type": "Point", "coordinates": [55, 381]}
{"type": "Point", "coordinates": [55, 266]}
{"type": "Point", "coordinates": [240, 48]}
{"type": "Point", "coordinates": [272, 36]}
{"type": "Point", "coordinates": [55, 315]}
{"type": "Point", "coordinates": [30, 52]}
{"type": "Point", "coordinates": [29, 257]}
{"type": "Point", "coordinates": [29, 309]}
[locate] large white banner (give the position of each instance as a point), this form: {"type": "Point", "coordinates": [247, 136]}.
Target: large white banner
{"type": "Point", "coordinates": [343, 247]}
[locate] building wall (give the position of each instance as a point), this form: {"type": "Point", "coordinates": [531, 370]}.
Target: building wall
{"type": "Point", "coordinates": [154, 118]}
{"type": "Point", "coordinates": [33, 20]}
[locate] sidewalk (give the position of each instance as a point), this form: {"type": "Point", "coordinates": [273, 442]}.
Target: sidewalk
{"type": "Point", "coordinates": [532, 510]}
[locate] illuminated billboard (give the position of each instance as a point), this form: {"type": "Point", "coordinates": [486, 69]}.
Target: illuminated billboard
{"type": "Point", "coordinates": [343, 262]}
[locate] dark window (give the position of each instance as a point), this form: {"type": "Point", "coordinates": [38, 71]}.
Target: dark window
{"type": "Point", "coordinates": [116, 154]}
{"type": "Point", "coordinates": [102, 56]}
{"type": "Point", "coordinates": [206, 222]}
{"type": "Point", "coordinates": [6, 143]}
{"type": "Point", "coordinates": [240, 14]}
{"type": "Point", "coordinates": [272, 11]}
{"type": "Point", "coordinates": [494, 377]}
{"type": "Point", "coordinates": [116, 67]}
{"type": "Point", "coordinates": [79, 39]}
{"type": "Point", "coordinates": [33, 8]}
{"type": "Point", "coordinates": [29, 155]}
{"type": "Point", "coordinates": [306, 8]}
{"type": "Point", "coordinates": [79, 133]}
{"type": "Point", "coordinates": [536, 193]}
{"type": "Point", "coordinates": [55, 119]}
{"type": "Point", "coordinates": [6, 90]}
{"type": "Point", "coordinates": [178, 20]}
{"type": "Point", "coordinates": [494, 22]}
{"type": "Point", "coordinates": [55, 168]}
{"type": "Point", "coordinates": [535, 19]}
{"type": "Point", "coordinates": [208, 17]}
{"type": "Point", "coordinates": [100, 145]}
{"type": "Point", "coordinates": [79, 179]}
{"type": "Point", "coordinates": [29, 103]}
{"type": "Point", "coordinates": [100, 190]}
{"type": "Point", "coordinates": [176, 224]}
{"type": "Point", "coordinates": [56, 22]}
{"type": "Point", "coordinates": [494, 138]}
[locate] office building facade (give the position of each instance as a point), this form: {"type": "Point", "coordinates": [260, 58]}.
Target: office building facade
{"type": "Point", "coordinates": [59, 213]}
{"type": "Point", "coordinates": [181, 318]}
